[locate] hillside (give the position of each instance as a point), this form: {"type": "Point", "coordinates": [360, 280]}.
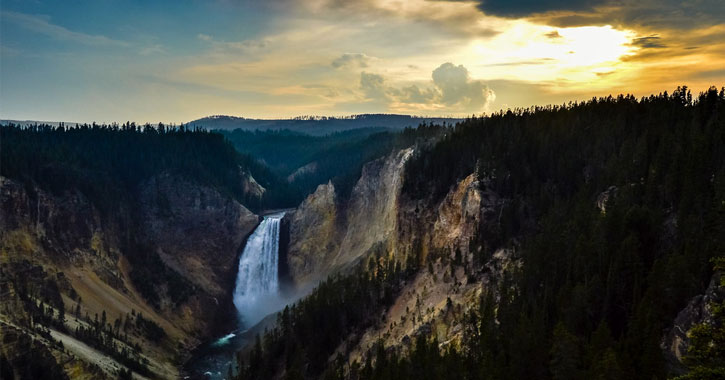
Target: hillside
{"type": "Point", "coordinates": [557, 242]}
{"type": "Point", "coordinates": [306, 161]}
{"type": "Point", "coordinates": [117, 246]}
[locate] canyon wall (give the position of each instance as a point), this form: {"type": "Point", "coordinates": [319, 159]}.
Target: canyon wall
{"type": "Point", "coordinates": [329, 235]}
{"type": "Point", "coordinates": [183, 236]}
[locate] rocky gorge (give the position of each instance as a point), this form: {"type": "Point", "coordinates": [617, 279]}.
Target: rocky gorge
{"type": "Point", "coordinates": [194, 231]}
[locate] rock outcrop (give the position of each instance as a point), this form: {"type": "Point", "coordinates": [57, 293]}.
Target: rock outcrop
{"type": "Point", "coordinates": [314, 234]}
{"type": "Point", "coordinates": [372, 213]}
{"type": "Point", "coordinates": [675, 342]}
{"type": "Point", "coordinates": [251, 187]}
{"type": "Point", "coordinates": [604, 197]}
{"type": "Point", "coordinates": [327, 236]}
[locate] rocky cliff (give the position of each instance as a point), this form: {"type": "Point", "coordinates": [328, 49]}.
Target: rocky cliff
{"type": "Point", "coordinates": [314, 235]}
{"type": "Point", "coordinates": [196, 231]}
{"type": "Point", "coordinates": [172, 236]}
{"type": "Point", "coordinates": [676, 340]}
{"type": "Point", "coordinates": [328, 235]}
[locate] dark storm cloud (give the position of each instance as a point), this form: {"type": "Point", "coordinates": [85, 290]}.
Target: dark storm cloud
{"type": "Point", "coordinates": [523, 8]}
{"type": "Point", "coordinates": [650, 42]}
{"type": "Point", "coordinates": [667, 14]}
{"type": "Point", "coordinates": [672, 14]}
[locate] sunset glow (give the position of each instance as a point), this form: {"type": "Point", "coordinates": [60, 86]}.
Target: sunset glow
{"type": "Point", "coordinates": [285, 58]}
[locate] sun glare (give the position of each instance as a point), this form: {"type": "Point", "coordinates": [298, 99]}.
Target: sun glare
{"type": "Point", "coordinates": [593, 45]}
{"type": "Point", "coordinates": [531, 52]}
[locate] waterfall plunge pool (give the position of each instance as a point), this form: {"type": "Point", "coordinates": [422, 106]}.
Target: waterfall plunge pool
{"type": "Point", "coordinates": [256, 295]}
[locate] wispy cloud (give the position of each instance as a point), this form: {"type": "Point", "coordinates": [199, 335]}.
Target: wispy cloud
{"type": "Point", "coordinates": [649, 42]}
{"type": "Point", "coordinates": [43, 26]}
{"type": "Point", "coordinates": [152, 49]}
{"type": "Point", "coordinates": [245, 46]}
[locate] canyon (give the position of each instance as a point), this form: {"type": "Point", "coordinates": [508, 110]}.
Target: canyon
{"type": "Point", "coordinates": [461, 251]}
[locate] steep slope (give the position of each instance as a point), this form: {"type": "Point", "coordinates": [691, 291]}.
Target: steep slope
{"type": "Point", "coordinates": [327, 236]}
{"type": "Point", "coordinates": [187, 223]}
{"type": "Point", "coordinates": [133, 283]}
{"type": "Point", "coordinates": [551, 242]}
{"type": "Point", "coordinates": [69, 247]}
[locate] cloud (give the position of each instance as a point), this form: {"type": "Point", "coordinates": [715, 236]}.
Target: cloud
{"type": "Point", "coordinates": [650, 42]}
{"type": "Point", "coordinates": [457, 87]}
{"type": "Point", "coordinates": [712, 74]}
{"type": "Point", "coordinates": [351, 60]}
{"type": "Point", "coordinates": [245, 46]}
{"type": "Point", "coordinates": [530, 62]}
{"type": "Point", "coordinates": [522, 8]}
{"type": "Point", "coordinates": [153, 49]}
{"type": "Point", "coordinates": [373, 86]}
{"type": "Point", "coordinates": [553, 35]}
{"type": "Point", "coordinates": [413, 94]}
{"type": "Point", "coordinates": [663, 14]}
{"type": "Point", "coordinates": [43, 26]}
{"type": "Point", "coordinates": [451, 89]}
{"type": "Point", "coordinates": [458, 18]}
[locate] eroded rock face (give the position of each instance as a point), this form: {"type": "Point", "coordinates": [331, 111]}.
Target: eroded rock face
{"type": "Point", "coordinates": [326, 237]}
{"type": "Point", "coordinates": [459, 212]}
{"type": "Point", "coordinates": [196, 230]}
{"type": "Point", "coordinates": [699, 310]}
{"type": "Point", "coordinates": [436, 300]}
{"type": "Point", "coordinates": [62, 229]}
{"type": "Point", "coordinates": [604, 197]}
{"type": "Point", "coordinates": [314, 234]}
{"type": "Point", "coordinates": [372, 214]}
{"type": "Point", "coordinates": [462, 212]}
{"type": "Point", "coordinates": [251, 187]}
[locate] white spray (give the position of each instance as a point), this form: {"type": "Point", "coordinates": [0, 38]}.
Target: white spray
{"type": "Point", "coordinates": [256, 292]}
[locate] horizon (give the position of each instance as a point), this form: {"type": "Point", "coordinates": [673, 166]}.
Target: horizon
{"type": "Point", "coordinates": [322, 117]}
{"type": "Point", "coordinates": [179, 61]}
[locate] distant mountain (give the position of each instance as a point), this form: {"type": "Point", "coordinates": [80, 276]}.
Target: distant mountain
{"type": "Point", "coordinates": [316, 125]}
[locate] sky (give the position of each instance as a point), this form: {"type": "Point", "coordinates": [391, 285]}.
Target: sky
{"type": "Point", "coordinates": [174, 61]}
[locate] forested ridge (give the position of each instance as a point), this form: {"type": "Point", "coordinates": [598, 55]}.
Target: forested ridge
{"type": "Point", "coordinates": [284, 151]}
{"type": "Point", "coordinates": [616, 207]}
{"type": "Point", "coordinates": [108, 161]}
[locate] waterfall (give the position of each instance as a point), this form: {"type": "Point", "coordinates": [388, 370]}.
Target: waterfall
{"type": "Point", "coordinates": [256, 290]}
